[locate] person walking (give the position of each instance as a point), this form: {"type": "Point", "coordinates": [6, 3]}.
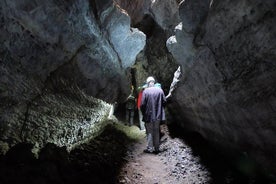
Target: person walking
{"type": "Point", "coordinates": [152, 107]}
{"type": "Point", "coordinates": [139, 100]}
{"type": "Point", "coordinates": [130, 108]}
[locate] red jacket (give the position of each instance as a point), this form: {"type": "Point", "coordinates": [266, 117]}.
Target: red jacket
{"type": "Point", "coordinates": [139, 99]}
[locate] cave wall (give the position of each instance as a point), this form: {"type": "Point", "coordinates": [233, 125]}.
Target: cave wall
{"type": "Point", "coordinates": [156, 19]}
{"type": "Point", "coordinates": [59, 62]}
{"type": "Point", "coordinates": [165, 13]}
{"type": "Point", "coordinates": [227, 90]}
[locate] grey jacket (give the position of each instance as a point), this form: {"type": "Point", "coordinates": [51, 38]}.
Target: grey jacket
{"type": "Point", "coordinates": [152, 105]}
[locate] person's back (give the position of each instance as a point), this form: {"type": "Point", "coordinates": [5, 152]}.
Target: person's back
{"type": "Point", "coordinates": [152, 106]}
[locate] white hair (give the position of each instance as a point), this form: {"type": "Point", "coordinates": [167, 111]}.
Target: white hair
{"type": "Point", "coordinates": [149, 79]}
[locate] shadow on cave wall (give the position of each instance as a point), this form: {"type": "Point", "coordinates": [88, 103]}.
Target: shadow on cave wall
{"type": "Point", "coordinates": [97, 161]}
{"type": "Point", "coordinates": [224, 169]}
{"type": "Point", "coordinates": [100, 160]}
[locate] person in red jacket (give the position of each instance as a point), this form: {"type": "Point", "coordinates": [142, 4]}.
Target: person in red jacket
{"type": "Point", "coordinates": [139, 99]}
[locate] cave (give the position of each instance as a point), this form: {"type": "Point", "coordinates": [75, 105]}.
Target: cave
{"type": "Point", "coordinates": [67, 68]}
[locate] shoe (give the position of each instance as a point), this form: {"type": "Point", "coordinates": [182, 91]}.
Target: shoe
{"type": "Point", "coordinates": [148, 151]}
{"type": "Point", "coordinates": [156, 151]}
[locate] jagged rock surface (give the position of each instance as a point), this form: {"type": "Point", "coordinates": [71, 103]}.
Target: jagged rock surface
{"type": "Point", "coordinates": [227, 92]}
{"type": "Point", "coordinates": [126, 41]}
{"type": "Point", "coordinates": [57, 57]}
{"type": "Point", "coordinates": [155, 19]}
{"type": "Point", "coordinates": [164, 13]}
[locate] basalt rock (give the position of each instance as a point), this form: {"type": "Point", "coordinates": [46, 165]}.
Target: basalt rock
{"type": "Point", "coordinates": [155, 19]}
{"type": "Point", "coordinates": [164, 13]}
{"type": "Point", "coordinates": [126, 41]}
{"type": "Point", "coordinates": [58, 59]}
{"type": "Point", "coordinates": [136, 9]}
{"type": "Point", "coordinates": [61, 60]}
{"type": "Point", "coordinates": [227, 91]}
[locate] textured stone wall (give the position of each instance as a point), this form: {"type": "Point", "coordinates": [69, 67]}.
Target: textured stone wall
{"type": "Point", "coordinates": [156, 19]}
{"type": "Point", "coordinates": [126, 41]}
{"type": "Point", "coordinates": [165, 13]}
{"type": "Point", "coordinates": [227, 93]}
{"type": "Point", "coordinates": [57, 58]}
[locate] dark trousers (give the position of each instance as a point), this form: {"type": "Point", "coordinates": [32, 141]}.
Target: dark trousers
{"type": "Point", "coordinates": [153, 135]}
{"type": "Point", "coordinates": [129, 116]}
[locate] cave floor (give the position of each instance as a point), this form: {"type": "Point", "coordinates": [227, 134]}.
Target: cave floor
{"type": "Point", "coordinates": [116, 156]}
{"type": "Point", "coordinates": [187, 159]}
{"type": "Point", "coordinates": [175, 164]}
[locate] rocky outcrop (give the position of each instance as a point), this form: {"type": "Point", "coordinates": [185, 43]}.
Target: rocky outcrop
{"type": "Point", "coordinates": [227, 92]}
{"type": "Point", "coordinates": [165, 13]}
{"type": "Point", "coordinates": [126, 41]}
{"type": "Point", "coordinates": [181, 45]}
{"type": "Point", "coordinates": [193, 13]}
{"type": "Point", "coordinates": [136, 9]}
{"type": "Point", "coordinates": [155, 61]}
{"type": "Point", "coordinates": [57, 60]}
{"type": "Point", "coordinates": [155, 19]}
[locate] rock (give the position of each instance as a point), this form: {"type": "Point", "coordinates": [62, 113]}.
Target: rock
{"type": "Point", "coordinates": [227, 93]}
{"type": "Point", "coordinates": [52, 153]}
{"type": "Point", "coordinates": [126, 41]}
{"type": "Point", "coordinates": [165, 13]}
{"type": "Point", "coordinates": [182, 48]}
{"type": "Point", "coordinates": [4, 148]}
{"type": "Point", "coordinates": [61, 53]}
{"type": "Point", "coordinates": [58, 58]}
{"type": "Point", "coordinates": [21, 153]}
{"type": "Point", "coordinates": [192, 13]}
{"type": "Point", "coordinates": [63, 42]}
{"type": "Point", "coordinates": [136, 9]}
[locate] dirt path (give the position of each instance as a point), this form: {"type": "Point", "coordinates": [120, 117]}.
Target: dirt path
{"type": "Point", "coordinates": [116, 156]}
{"type": "Point", "coordinates": [174, 165]}
{"type": "Point", "coordinates": [142, 168]}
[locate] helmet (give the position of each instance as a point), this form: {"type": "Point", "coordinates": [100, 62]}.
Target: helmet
{"type": "Point", "coordinates": [149, 79]}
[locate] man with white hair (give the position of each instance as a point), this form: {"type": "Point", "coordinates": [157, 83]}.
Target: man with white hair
{"type": "Point", "coordinates": [152, 107]}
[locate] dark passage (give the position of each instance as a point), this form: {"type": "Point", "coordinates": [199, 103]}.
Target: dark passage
{"type": "Point", "coordinates": [224, 168]}
{"type": "Point", "coordinates": [96, 162]}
